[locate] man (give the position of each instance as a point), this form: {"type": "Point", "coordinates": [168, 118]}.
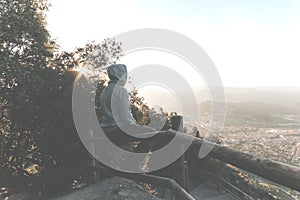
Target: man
{"type": "Point", "coordinates": [117, 122]}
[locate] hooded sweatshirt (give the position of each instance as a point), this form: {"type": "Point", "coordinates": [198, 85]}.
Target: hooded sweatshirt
{"type": "Point", "coordinates": [114, 100]}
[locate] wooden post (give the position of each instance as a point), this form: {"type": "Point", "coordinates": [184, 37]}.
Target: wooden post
{"type": "Point", "coordinates": [186, 176]}
{"type": "Point", "coordinates": [177, 169]}
{"type": "Point", "coordinates": [94, 161]}
{"type": "Point", "coordinates": [177, 124]}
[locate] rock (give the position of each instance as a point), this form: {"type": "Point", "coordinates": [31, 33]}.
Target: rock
{"type": "Point", "coordinates": [115, 188]}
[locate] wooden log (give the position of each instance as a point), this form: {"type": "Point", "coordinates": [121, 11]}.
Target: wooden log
{"type": "Point", "coordinates": [280, 173]}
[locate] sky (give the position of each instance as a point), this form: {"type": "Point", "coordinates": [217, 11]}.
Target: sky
{"type": "Point", "coordinates": [252, 43]}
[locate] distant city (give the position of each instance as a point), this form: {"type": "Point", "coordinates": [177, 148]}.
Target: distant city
{"type": "Point", "coordinates": [263, 121]}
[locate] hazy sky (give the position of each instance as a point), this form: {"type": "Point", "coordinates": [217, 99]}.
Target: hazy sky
{"type": "Point", "coordinates": [252, 43]}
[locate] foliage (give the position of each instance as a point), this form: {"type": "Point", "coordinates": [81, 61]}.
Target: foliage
{"type": "Point", "coordinates": [24, 41]}
{"type": "Point", "coordinates": [139, 109]}
{"type": "Point", "coordinates": [25, 47]}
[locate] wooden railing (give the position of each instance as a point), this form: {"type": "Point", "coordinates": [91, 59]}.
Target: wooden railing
{"type": "Point", "coordinates": [285, 175]}
{"type": "Point", "coordinates": [280, 173]}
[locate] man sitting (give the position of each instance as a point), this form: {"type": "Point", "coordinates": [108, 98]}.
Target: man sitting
{"type": "Point", "coordinates": [117, 122]}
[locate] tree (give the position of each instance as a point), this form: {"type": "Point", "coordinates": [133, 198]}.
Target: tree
{"type": "Point", "coordinates": [25, 47]}
{"type": "Point", "coordinates": [35, 132]}
{"type": "Point", "coordinates": [24, 40]}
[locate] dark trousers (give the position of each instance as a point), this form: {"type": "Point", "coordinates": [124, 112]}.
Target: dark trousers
{"type": "Point", "coordinates": [120, 138]}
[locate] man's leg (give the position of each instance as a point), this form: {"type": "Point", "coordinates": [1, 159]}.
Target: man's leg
{"type": "Point", "coordinates": [119, 138]}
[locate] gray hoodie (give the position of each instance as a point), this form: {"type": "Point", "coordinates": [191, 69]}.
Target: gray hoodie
{"type": "Point", "coordinates": [114, 100]}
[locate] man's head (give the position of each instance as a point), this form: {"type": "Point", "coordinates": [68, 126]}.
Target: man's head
{"type": "Point", "coordinates": [117, 72]}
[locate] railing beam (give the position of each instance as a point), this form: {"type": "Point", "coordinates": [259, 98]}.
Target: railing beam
{"type": "Point", "coordinates": [277, 172]}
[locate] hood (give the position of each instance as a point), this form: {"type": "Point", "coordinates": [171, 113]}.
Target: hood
{"type": "Point", "coordinates": [117, 72]}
